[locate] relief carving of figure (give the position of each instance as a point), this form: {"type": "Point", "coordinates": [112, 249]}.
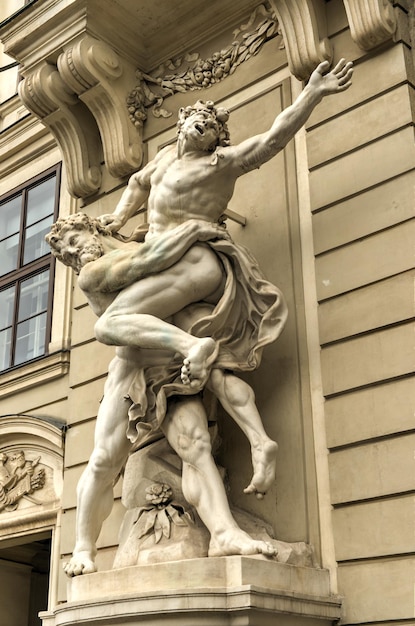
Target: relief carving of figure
{"type": "Point", "coordinates": [18, 479]}
{"type": "Point", "coordinates": [186, 308]}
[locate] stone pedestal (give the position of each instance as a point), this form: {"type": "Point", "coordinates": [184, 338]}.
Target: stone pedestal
{"type": "Point", "coordinates": [222, 591]}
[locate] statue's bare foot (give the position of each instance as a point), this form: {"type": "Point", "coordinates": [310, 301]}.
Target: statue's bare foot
{"type": "Point", "coordinates": [197, 364]}
{"type": "Point", "coordinates": [263, 460]}
{"type": "Point", "coordinates": [236, 541]}
{"type": "Point", "coordinates": [80, 563]}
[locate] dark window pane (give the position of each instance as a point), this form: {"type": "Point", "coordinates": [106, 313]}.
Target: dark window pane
{"type": "Point", "coordinates": [40, 201]}
{"type": "Point", "coordinates": [6, 307]}
{"type": "Point", "coordinates": [33, 295]}
{"type": "Point", "coordinates": [5, 339]}
{"type": "Point", "coordinates": [10, 212]}
{"type": "Point", "coordinates": [30, 339]}
{"type": "Point", "coordinates": [35, 245]}
{"type": "Point", "coordinates": [9, 249]}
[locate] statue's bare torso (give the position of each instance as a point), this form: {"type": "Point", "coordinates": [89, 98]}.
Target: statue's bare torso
{"type": "Point", "coordinates": [187, 188]}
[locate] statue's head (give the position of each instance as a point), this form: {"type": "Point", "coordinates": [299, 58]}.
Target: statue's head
{"type": "Point", "coordinates": [76, 240]}
{"type": "Point", "coordinates": [18, 458]}
{"type": "Point", "coordinates": [207, 121]}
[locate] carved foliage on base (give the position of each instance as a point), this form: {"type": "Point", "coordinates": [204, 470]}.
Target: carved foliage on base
{"type": "Point", "coordinates": [159, 517]}
{"type": "Point", "coordinates": [19, 478]}
{"type": "Point", "coordinates": [371, 21]}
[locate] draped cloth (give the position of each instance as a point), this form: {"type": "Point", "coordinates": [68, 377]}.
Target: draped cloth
{"type": "Point", "coordinates": [250, 315]}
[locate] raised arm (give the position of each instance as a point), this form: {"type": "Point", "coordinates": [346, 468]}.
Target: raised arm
{"type": "Point", "coordinates": [253, 152]}
{"type": "Point", "coordinates": [120, 268]}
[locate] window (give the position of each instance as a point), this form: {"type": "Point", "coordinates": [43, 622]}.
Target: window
{"type": "Point", "coordinates": [26, 269]}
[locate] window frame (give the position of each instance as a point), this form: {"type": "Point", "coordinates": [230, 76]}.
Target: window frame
{"type": "Point", "coordinates": [37, 266]}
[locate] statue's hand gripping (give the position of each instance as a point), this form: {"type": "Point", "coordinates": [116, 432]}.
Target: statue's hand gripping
{"type": "Point", "coordinates": [112, 221]}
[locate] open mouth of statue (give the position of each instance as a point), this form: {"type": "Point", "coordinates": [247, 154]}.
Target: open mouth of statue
{"type": "Point", "coordinates": [200, 129]}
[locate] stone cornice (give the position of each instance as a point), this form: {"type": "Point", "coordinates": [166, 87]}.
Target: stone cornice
{"type": "Point", "coordinates": [77, 85]}
{"type": "Point", "coordinates": [78, 59]}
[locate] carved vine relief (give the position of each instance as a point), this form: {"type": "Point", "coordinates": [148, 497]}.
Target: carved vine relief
{"type": "Point", "coordinates": [191, 73]}
{"type": "Point", "coordinates": [19, 478]}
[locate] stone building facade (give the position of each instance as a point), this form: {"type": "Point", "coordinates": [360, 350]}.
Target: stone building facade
{"type": "Point", "coordinates": [330, 221]}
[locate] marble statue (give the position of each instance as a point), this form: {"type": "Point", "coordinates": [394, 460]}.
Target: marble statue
{"type": "Point", "coordinates": [186, 308]}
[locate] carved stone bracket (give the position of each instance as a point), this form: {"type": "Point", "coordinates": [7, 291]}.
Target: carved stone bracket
{"type": "Point", "coordinates": [371, 21]}
{"type": "Point", "coordinates": [303, 25]}
{"type": "Point", "coordinates": [45, 94]}
{"type": "Point", "coordinates": [94, 71]}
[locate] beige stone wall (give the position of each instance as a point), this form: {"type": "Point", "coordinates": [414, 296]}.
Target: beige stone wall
{"type": "Point", "coordinates": [362, 158]}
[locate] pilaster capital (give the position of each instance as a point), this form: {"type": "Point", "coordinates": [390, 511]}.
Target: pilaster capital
{"type": "Point", "coordinates": [94, 71]}
{"type": "Point", "coordinates": [304, 29]}
{"type": "Point", "coordinates": [46, 95]}
{"type": "Point", "coordinates": [371, 21]}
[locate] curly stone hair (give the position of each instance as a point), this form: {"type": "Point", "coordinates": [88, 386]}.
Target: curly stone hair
{"type": "Point", "coordinates": [78, 221]}
{"type": "Point", "coordinates": [220, 116]}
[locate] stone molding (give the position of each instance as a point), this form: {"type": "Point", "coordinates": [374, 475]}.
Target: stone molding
{"type": "Point", "coordinates": [372, 22]}
{"type": "Point", "coordinates": [304, 29]}
{"type": "Point", "coordinates": [218, 591]}
{"type": "Point", "coordinates": [32, 374]}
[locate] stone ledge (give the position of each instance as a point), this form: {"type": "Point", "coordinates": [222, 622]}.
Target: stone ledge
{"type": "Point", "coordinates": [214, 591]}
{"type": "Point", "coordinates": [205, 573]}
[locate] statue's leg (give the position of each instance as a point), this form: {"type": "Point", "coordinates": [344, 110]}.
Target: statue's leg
{"type": "Point", "coordinates": [238, 399]}
{"type": "Point", "coordinates": [185, 427]}
{"type": "Point", "coordinates": [95, 488]}
{"type": "Point", "coordinates": [135, 317]}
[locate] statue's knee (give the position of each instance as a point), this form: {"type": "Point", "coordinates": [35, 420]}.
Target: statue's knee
{"type": "Point", "coordinates": [194, 445]}
{"type": "Point", "coordinates": [101, 463]}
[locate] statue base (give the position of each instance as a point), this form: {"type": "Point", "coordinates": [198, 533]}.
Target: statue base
{"type": "Point", "coordinates": [220, 591]}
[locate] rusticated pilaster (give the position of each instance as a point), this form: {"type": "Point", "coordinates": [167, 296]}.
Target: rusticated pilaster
{"type": "Point", "coordinates": [46, 95]}
{"type": "Point", "coordinates": [94, 71]}
{"type": "Point", "coordinates": [371, 21]}
{"type": "Point", "coordinates": [303, 25]}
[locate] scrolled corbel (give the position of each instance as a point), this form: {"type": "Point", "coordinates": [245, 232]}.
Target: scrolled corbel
{"type": "Point", "coordinates": [95, 72]}
{"type": "Point", "coordinates": [372, 22]}
{"type": "Point", "coordinates": [45, 94]}
{"type": "Point", "coordinates": [304, 29]}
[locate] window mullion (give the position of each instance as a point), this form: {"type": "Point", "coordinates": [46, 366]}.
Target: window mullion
{"type": "Point", "coordinates": [22, 227]}
{"type": "Point", "coordinates": [14, 326]}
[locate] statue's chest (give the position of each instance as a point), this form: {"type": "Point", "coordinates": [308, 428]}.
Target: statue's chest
{"type": "Point", "coordinates": [186, 177]}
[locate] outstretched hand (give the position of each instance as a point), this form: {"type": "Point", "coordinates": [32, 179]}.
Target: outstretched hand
{"type": "Point", "coordinates": [334, 81]}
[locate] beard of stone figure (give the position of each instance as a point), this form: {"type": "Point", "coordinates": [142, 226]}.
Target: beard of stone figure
{"type": "Point", "coordinates": [76, 240]}
{"type": "Point", "coordinates": [83, 248]}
